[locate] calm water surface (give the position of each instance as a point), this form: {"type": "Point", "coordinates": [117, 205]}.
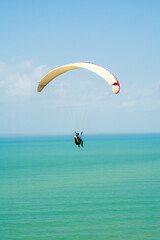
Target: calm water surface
{"type": "Point", "coordinates": [50, 189]}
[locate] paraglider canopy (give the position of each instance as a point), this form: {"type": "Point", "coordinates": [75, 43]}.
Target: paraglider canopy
{"type": "Point", "coordinates": [101, 71]}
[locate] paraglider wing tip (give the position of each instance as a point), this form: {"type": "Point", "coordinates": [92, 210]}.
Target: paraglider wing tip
{"type": "Point", "coordinates": [116, 87]}
{"type": "Point", "coordinates": [40, 87]}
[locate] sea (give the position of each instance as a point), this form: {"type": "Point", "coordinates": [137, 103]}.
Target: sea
{"type": "Point", "coordinates": [108, 190]}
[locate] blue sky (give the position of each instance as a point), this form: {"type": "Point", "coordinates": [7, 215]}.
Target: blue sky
{"type": "Point", "coordinates": [37, 36]}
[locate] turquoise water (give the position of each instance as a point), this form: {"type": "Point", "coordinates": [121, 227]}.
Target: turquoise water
{"type": "Point", "coordinates": [50, 189]}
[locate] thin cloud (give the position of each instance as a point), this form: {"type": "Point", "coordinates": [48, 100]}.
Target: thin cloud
{"type": "Point", "coordinates": [20, 80]}
{"type": "Point", "coordinates": [129, 104]}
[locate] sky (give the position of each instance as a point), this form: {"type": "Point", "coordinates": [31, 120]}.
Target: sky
{"type": "Point", "coordinates": [38, 36]}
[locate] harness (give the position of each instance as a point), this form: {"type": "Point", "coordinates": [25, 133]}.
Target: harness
{"type": "Point", "coordinates": [77, 140]}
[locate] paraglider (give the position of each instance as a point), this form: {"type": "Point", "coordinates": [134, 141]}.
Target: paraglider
{"type": "Point", "coordinates": [78, 139]}
{"type": "Point", "coordinates": [99, 70]}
